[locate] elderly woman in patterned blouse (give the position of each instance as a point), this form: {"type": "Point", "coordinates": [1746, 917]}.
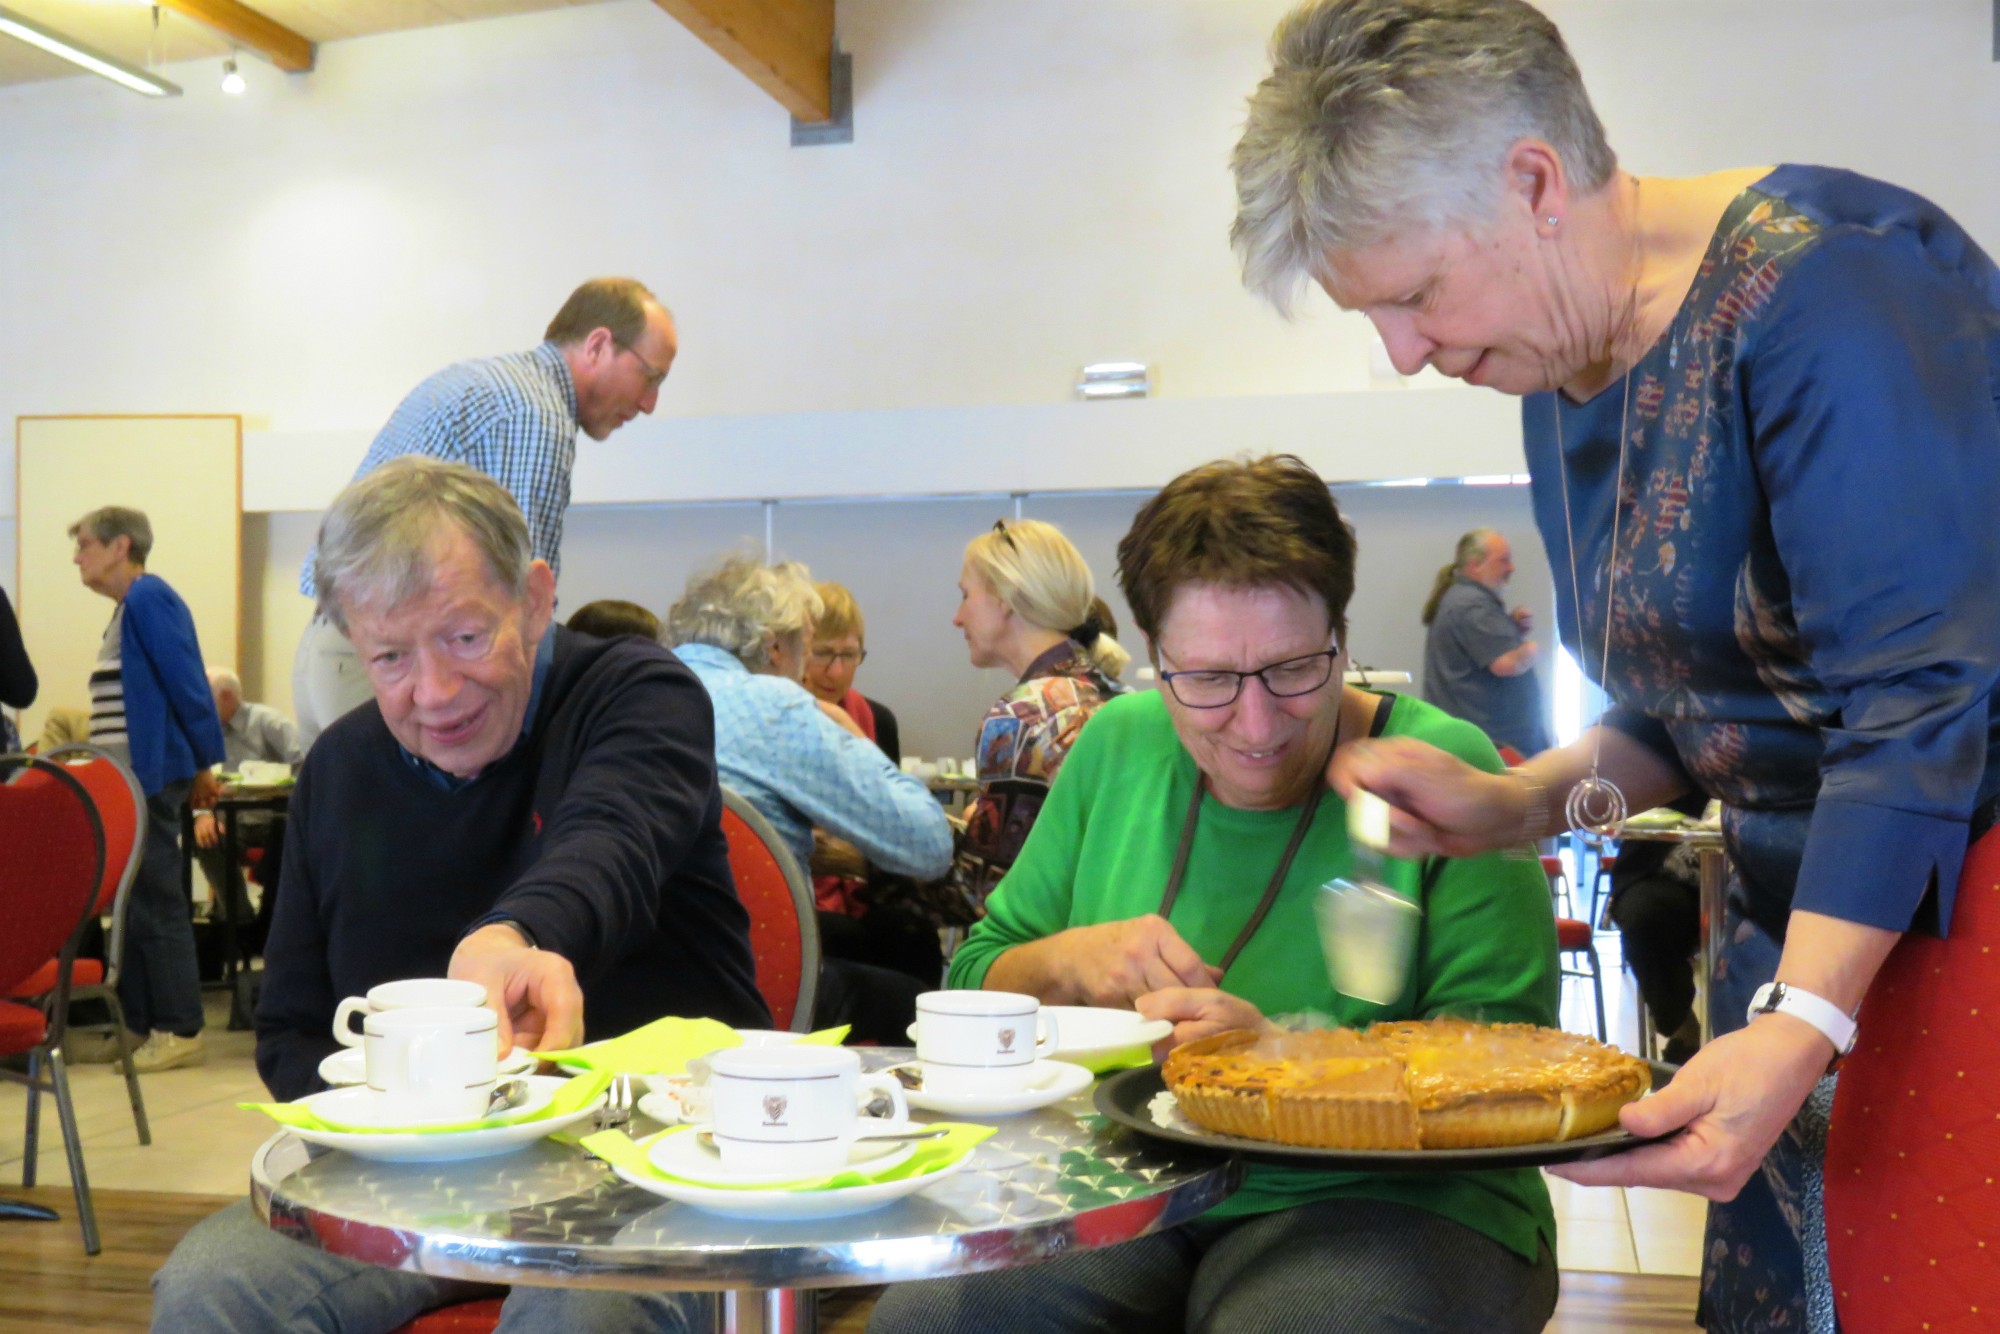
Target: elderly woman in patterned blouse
{"type": "Point", "coordinates": [1760, 418]}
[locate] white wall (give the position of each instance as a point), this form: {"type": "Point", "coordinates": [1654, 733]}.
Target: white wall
{"type": "Point", "coordinates": [1034, 184]}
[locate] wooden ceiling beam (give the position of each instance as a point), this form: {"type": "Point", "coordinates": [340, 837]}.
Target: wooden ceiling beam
{"type": "Point", "coordinates": [785, 46]}
{"type": "Point", "coordinates": [245, 26]}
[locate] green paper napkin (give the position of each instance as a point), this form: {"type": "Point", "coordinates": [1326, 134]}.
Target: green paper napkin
{"type": "Point", "coordinates": [621, 1150]}
{"type": "Point", "coordinates": [664, 1047]}
{"type": "Point", "coordinates": [575, 1095]}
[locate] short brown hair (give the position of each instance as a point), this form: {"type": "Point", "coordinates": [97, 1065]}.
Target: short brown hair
{"type": "Point", "coordinates": [608, 618]}
{"type": "Point", "coordinates": [839, 613]}
{"type": "Point", "coordinates": [617, 304]}
{"type": "Point", "coordinates": [1242, 524]}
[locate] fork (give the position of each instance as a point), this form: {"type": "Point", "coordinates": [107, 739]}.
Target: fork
{"type": "Point", "coordinates": [617, 1110]}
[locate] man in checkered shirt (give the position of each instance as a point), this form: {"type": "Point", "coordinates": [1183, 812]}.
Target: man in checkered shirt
{"type": "Point", "coordinates": [515, 418]}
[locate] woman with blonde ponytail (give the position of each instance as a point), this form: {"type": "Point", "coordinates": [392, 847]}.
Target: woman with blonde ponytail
{"type": "Point", "coordinates": [1026, 603]}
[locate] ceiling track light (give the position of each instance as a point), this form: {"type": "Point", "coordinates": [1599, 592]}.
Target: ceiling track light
{"type": "Point", "coordinates": [1115, 379]}
{"type": "Point", "coordinates": [232, 78]}
{"type": "Point", "coordinates": [85, 57]}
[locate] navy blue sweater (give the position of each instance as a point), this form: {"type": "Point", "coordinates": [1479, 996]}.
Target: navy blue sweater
{"type": "Point", "coordinates": [600, 832]}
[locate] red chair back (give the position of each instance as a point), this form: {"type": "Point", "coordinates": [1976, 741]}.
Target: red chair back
{"type": "Point", "coordinates": [784, 934]}
{"type": "Point", "coordinates": [54, 862]}
{"type": "Point", "coordinates": [121, 809]}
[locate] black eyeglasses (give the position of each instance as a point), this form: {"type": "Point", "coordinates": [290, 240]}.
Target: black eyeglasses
{"type": "Point", "coordinates": [655, 377]}
{"type": "Point", "coordinates": [1216, 688]}
{"type": "Point", "coordinates": [1000, 527]}
{"type": "Point", "coordinates": [849, 657]}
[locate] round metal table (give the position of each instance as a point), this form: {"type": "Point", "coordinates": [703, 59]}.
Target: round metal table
{"type": "Point", "coordinates": [1049, 1182]}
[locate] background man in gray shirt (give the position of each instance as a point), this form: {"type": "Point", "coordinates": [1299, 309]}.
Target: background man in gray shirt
{"type": "Point", "coordinates": [1479, 663]}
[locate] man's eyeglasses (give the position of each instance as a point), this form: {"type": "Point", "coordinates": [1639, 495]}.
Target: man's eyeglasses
{"type": "Point", "coordinates": [655, 377]}
{"type": "Point", "coordinates": [1217, 687]}
{"type": "Point", "coordinates": [846, 657]}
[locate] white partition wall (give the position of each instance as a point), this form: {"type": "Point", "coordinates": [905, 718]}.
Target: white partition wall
{"type": "Point", "coordinates": [184, 472]}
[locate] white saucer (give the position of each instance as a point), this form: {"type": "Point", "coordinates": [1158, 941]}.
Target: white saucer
{"type": "Point", "coordinates": [1048, 1082]}
{"type": "Point", "coordinates": [690, 1157]}
{"type": "Point", "coordinates": [1099, 1038]}
{"type": "Point", "coordinates": [791, 1205]}
{"type": "Point", "coordinates": [350, 1066]}
{"type": "Point", "coordinates": [443, 1146]}
{"type": "Point", "coordinates": [362, 1110]}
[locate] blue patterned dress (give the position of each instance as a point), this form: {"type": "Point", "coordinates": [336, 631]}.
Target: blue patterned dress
{"type": "Point", "coordinates": [1805, 614]}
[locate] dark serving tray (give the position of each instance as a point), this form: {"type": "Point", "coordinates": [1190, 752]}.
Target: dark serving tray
{"type": "Point", "coordinates": [1124, 1097]}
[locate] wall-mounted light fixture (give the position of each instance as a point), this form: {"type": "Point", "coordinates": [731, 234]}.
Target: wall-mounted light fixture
{"type": "Point", "coordinates": [76, 53]}
{"type": "Point", "coordinates": [232, 78]}
{"type": "Point", "coordinates": [1115, 379]}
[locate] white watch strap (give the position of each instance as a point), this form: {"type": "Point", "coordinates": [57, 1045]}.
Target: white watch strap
{"type": "Point", "coordinates": [1781, 998]}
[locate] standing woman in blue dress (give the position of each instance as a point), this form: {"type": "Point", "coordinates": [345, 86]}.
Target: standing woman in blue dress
{"type": "Point", "coordinates": [1759, 415]}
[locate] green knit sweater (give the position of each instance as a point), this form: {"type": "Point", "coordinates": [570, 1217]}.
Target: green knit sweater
{"type": "Point", "coordinates": [1101, 852]}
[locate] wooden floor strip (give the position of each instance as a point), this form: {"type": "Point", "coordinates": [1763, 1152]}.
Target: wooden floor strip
{"type": "Point", "coordinates": [48, 1283]}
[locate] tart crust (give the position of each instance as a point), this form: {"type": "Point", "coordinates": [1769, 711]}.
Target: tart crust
{"type": "Point", "coordinates": [1433, 1084]}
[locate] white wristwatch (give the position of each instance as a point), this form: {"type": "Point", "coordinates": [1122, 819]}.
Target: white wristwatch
{"type": "Point", "coordinates": [1782, 998]}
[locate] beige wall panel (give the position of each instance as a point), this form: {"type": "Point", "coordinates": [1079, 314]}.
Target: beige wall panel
{"type": "Point", "coordinates": [185, 473]}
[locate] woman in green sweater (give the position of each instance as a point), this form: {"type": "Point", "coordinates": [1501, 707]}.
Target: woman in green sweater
{"type": "Point", "coordinates": [1159, 876]}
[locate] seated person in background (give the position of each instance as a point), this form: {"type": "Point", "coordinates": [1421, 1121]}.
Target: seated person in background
{"type": "Point", "coordinates": [522, 807]}
{"type": "Point", "coordinates": [1656, 901]}
{"type": "Point", "coordinates": [608, 618]}
{"type": "Point", "coordinates": [743, 627]}
{"type": "Point", "coordinates": [1026, 603]}
{"type": "Point", "coordinates": [839, 646]}
{"type": "Point", "coordinates": [65, 725]}
{"type": "Point", "coordinates": [1239, 574]}
{"type": "Point", "coordinates": [250, 731]}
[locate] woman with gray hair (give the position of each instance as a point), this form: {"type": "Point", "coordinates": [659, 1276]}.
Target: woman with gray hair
{"type": "Point", "coordinates": [743, 627]}
{"type": "Point", "coordinates": [1761, 425]}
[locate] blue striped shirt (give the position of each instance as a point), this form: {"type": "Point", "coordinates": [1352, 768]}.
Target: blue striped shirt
{"type": "Point", "coordinates": [513, 417]}
{"type": "Point", "coordinates": [800, 768]}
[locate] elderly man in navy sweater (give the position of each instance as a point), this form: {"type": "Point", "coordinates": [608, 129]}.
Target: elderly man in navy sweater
{"type": "Point", "coordinates": [525, 807]}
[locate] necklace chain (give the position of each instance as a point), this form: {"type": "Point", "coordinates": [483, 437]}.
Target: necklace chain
{"type": "Point", "coordinates": [1595, 805]}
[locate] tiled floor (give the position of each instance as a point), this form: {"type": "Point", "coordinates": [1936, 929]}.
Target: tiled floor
{"type": "Point", "coordinates": [202, 1144]}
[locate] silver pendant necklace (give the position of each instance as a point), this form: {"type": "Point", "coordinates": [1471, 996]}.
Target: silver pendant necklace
{"type": "Point", "coordinates": [1596, 805]}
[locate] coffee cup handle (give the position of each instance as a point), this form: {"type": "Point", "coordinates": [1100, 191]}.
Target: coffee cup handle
{"type": "Point", "coordinates": [347, 1036]}
{"type": "Point", "coordinates": [869, 1085]}
{"type": "Point", "coordinates": [1050, 1037]}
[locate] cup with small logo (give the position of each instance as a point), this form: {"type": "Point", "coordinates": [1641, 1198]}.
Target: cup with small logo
{"type": "Point", "coordinates": [793, 1108]}
{"type": "Point", "coordinates": [981, 1042]}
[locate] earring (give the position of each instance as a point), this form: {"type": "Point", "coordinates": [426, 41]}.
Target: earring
{"type": "Point", "coordinates": [1554, 220]}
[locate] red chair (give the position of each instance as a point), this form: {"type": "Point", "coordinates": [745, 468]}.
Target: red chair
{"type": "Point", "coordinates": [121, 809]}
{"type": "Point", "coordinates": [49, 882]}
{"type": "Point", "coordinates": [1576, 944]}
{"type": "Point", "coordinates": [784, 933]}
{"type": "Point", "coordinates": [479, 1316]}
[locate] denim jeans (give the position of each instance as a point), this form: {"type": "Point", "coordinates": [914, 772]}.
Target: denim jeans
{"type": "Point", "coordinates": [159, 982]}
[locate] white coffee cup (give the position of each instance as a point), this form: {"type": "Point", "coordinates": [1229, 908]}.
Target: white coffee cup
{"type": "Point", "coordinates": [974, 1042]}
{"type": "Point", "coordinates": [410, 993]}
{"type": "Point", "coordinates": [792, 1108]}
{"type": "Point", "coordinates": [432, 1062]}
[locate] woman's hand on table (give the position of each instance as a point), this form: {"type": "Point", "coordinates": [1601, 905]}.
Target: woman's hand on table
{"type": "Point", "coordinates": [1730, 1103]}
{"type": "Point", "coordinates": [1197, 1012]}
{"type": "Point", "coordinates": [534, 992]}
{"type": "Point", "coordinates": [1440, 804]}
{"type": "Point", "coordinates": [1111, 964]}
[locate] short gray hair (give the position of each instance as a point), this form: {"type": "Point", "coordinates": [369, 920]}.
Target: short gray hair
{"type": "Point", "coordinates": [225, 682]}
{"type": "Point", "coordinates": [112, 522]}
{"type": "Point", "coordinates": [375, 543]}
{"type": "Point", "coordinates": [741, 604]}
{"type": "Point", "coordinates": [1387, 117]}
